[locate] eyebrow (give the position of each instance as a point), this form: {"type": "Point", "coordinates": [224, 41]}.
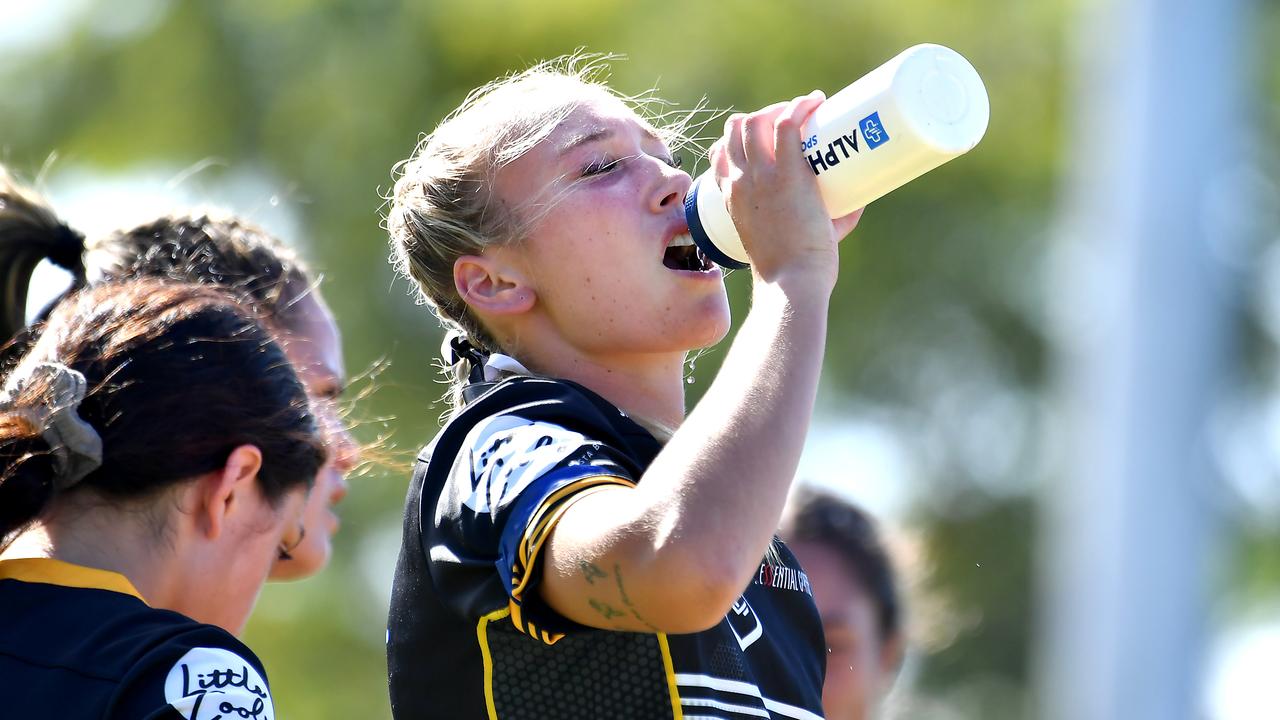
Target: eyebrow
{"type": "Point", "coordinates": [584, 138]}
{"type": "Point", "coordinates": [600, 133]}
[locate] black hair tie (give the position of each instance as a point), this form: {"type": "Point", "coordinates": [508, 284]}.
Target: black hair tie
{"type": "Point", "coordinates": [67, 251]}
{"type": "Point", "coordinates": [463, 349]}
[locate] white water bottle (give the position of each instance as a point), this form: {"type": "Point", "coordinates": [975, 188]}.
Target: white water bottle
{"type": "Point", "coordinates": [901, 120]}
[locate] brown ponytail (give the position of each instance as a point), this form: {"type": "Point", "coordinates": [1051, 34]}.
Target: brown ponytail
{"type": "Point", "coordinates": [30, 231]}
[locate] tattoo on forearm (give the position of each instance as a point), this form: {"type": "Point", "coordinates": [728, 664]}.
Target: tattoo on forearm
{"type": "Point", "coordinates": [608, 611]}
{"type": "Point", "coordinates": [591, 572]}
{"type": "Point", "coordinates": [617, 574]}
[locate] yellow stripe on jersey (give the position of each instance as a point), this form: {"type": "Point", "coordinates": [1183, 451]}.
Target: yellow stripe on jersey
{"type": "Point", "coordinates": [482, 635]}
{"type": "Point", "coordinates": [530, 629]}
{"type": "Point", "coordinates": [516, 618]}
{"type": "Point", "coordinates": [545, 518]}
{"type": "Point", "coordinates": [677, 710]}
{"type": "Point", "coordinates": [56, 572]}
{"type": "Point", "coordinates": [538, 523]}
{"type": "Point", "coordinates": [542, 527]}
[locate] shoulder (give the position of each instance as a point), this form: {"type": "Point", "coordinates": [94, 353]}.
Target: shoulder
{"type": "Point", "coordinates": [195, 671]}
{"type": "Point", "coordinates": [543, 399]}
{"type": "Point", "coordinates": [541, 422]}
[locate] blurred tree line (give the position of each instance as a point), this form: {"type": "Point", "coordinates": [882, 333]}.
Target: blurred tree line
{"type": "Point", "coordinates": [938, 326]}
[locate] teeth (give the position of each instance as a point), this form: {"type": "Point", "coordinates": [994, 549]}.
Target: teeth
{"type": "Point", "coordinates": [681, 240]}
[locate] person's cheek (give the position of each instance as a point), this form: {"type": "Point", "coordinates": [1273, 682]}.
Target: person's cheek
{"type": "Point", "coordinates": [840, 692]}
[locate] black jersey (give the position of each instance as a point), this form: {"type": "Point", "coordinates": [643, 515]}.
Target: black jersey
{"type": "Point", "coordinates": [77, 642]}
{"type": "Point", "coordinates": [468, 636]}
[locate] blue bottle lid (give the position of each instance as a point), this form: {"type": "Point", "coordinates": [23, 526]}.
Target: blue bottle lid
{"type": "Point", "coordinates": [699, 233]}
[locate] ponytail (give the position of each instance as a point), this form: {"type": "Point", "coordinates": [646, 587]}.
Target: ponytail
{"type": "Point", "coordinates": [30, 231]}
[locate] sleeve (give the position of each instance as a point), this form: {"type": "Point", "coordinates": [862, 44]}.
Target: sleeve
{"type": "Point", "coordinates": [507, 489]}
{"type": "Point", "coordinates": [201, 675]}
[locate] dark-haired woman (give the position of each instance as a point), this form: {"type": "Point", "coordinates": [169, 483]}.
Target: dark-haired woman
{"type": "Point", "coordinates": [158, 447]}
{"type": "Point", "coordinates": [204, 248]}
{"type": "Point", "coordinates": [857, 597]}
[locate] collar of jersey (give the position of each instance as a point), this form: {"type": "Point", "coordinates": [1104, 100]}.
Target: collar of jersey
{"type": "Point", "coordinates": [498, 366]}
{"type": "Point", "coordinates": [56, 572]}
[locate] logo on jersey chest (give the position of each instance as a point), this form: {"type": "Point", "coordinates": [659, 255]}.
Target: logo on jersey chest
{"type": "Point", "coordinates": [743, 620]}
{"type": "Point", "coordinates": [745, 623]}
{"type": "Point", "coordinates": [781, 577]}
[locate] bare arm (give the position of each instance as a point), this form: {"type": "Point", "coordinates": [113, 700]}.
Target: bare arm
{"type": "Point", "coordinates": [673, 553]}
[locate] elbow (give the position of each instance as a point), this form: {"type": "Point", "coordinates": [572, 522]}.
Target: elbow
{"type": "Point", "coordinates": [704, 591]}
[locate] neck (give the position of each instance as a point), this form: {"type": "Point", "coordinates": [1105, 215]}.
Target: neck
{"type": "Point", "coordinates": [84, 533]}
{"type": "Point", "coordinates": [649, 387]}
{"type": "Point", "coordinates": [164, 552]}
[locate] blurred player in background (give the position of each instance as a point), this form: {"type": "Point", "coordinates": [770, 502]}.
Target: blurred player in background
{"type": "Point", "coordinates": [206, 247]}
{"type": "Point", "coordinates": [857, 596]}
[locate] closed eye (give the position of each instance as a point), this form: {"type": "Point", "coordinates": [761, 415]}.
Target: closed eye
{"type": "Point", "coordinates": [600, 167]}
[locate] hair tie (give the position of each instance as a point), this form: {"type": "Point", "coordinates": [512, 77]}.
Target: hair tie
{"type": "Point", "coordinates": [76, 447]}
{"type": "Point", "coordinates": [67, 251]}
{"type": "Point", "coordinates": [457, 347]}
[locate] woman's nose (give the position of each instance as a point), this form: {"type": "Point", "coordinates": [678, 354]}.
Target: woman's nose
{"type": "Point", "coordinates": [345, 449]}
{"type": "Point", "coordinates": [672, 188]}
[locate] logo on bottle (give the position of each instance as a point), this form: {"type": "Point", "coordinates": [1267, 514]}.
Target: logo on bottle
{"type": "Point", "coordinates": [872, 131]}
{"type": "Point", "coordinates": [842, 147]}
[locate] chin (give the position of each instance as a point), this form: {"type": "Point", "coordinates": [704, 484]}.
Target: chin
{"type": "Point", "coordinates": [713, 328]}
{"type": "Point", "coordinates": [695, 333]}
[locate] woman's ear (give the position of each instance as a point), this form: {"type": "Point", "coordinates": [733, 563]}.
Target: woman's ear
{"type": "Point", "coordinates": [492, 286]}
{"type": "Point", "coordinates": [224, 493]}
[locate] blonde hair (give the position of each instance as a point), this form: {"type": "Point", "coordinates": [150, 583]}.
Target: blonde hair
{"type": "Point", "coordinates": [441, 206]}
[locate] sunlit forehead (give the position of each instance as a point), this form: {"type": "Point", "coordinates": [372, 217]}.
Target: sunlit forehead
{"type": "Point", "coordinates": [601, 121]}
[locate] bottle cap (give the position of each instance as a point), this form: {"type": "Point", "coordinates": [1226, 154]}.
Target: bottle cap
{"type": "Point", "coordinates": [707, 221]}
{"type": "Point", "coordinates": [943, 98]}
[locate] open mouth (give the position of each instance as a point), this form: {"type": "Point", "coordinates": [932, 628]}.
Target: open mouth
{"type": "Point", "coordinates": [683, 254]}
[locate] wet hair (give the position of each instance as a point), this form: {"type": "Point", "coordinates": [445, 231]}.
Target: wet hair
{"type": "Point", "coordinates": [851, 533]}
{"type": "Point", "coordinates": [177, 376]}
{"type": "Point", "coordinates": [441, 207]}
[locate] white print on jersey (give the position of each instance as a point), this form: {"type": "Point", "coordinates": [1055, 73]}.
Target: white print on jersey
{"type": "Point", "coordinates": [508, 453]}
{"type": "Point", "coordinates": [692, 683]}
{"type": "Point", "coordinates": [783, 578]}
{"type": "Point", "coordinates": [210, 683]}
{"type": "Point", "coordinates": [744, 623]}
